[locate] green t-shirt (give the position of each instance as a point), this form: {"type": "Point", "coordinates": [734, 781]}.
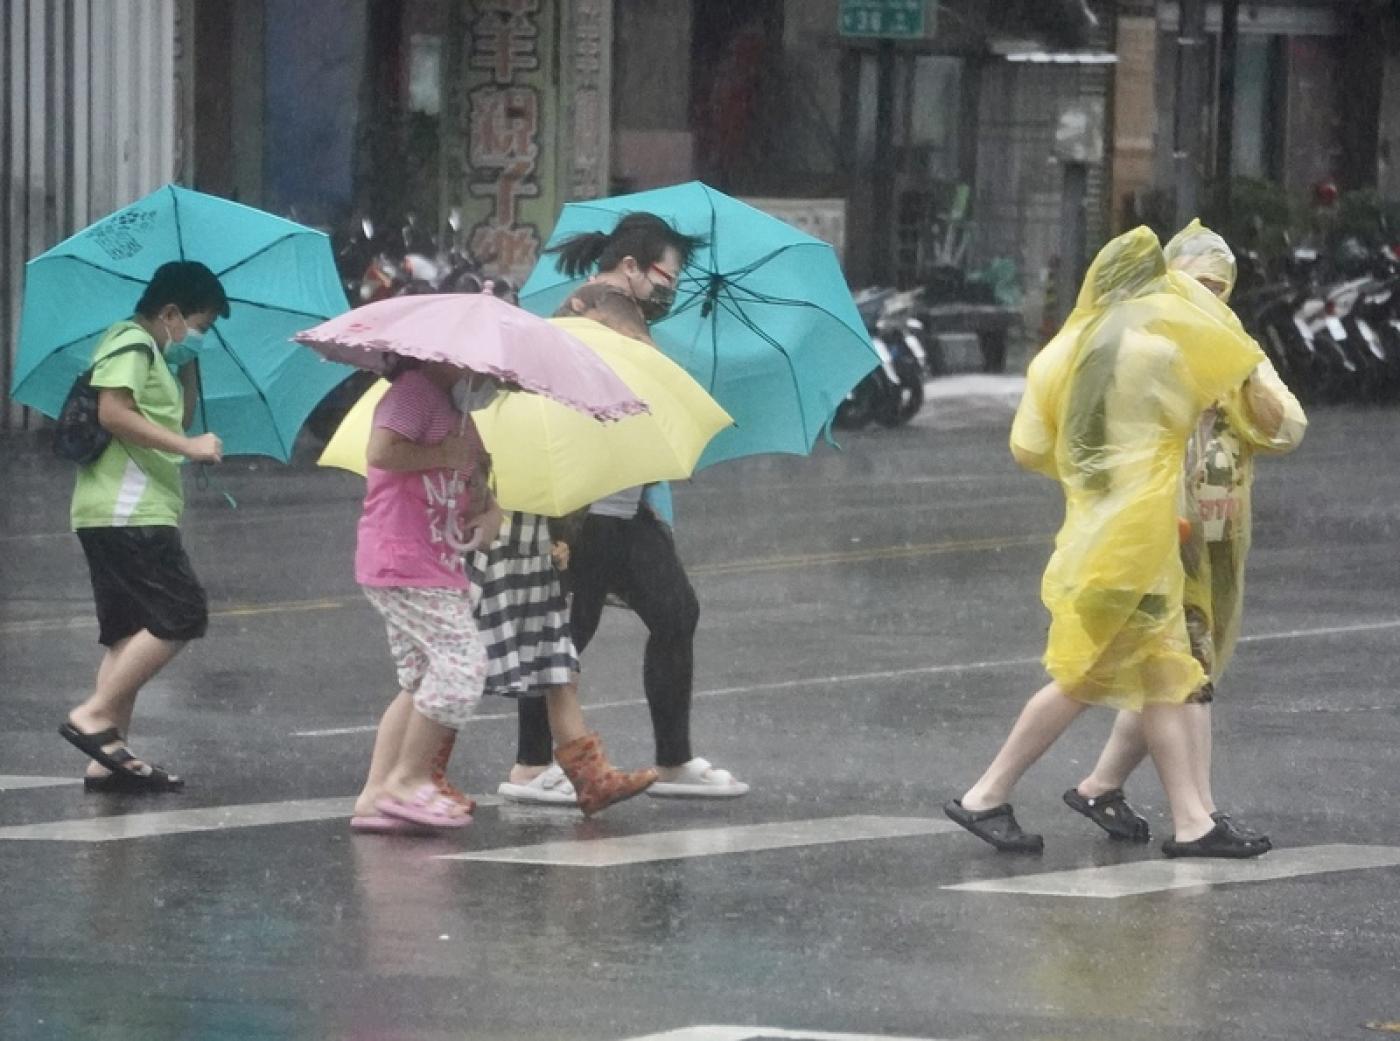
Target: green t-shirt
{"type": "Point", "coordinates": [130, 485]}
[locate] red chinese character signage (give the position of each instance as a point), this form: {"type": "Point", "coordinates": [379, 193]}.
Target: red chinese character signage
{"type": "Point", "coordinates": [506, 122]}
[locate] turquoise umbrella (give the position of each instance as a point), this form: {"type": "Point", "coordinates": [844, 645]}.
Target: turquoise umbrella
{"type": "Point", "coordinates": [763, 318]}
{"type": "Point", "coordinates": [258, 386]}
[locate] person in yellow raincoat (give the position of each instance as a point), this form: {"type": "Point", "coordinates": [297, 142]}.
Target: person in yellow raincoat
{"type": "Point", "coordinates": [1109, 407]}
{"type": "Point", "coordinates": [1261, 415]}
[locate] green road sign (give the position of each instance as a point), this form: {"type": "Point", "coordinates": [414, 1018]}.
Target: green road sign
{"type": "Point", "coordinates": [889, 18]}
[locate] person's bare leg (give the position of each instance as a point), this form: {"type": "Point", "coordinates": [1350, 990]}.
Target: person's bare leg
{"type": "Point", "coordinates": [565, 714]}
{"type": "Point", "coordinates": [1169, 738]}
{"type": "Point", "coordinates": [387, 740]}
{"type": "Point", "coordinates": [570, 724]}
{"type": "Point", "coordinates": [1045, 717]}
{"type": "Point", "coordinates": [124, 670]}
{"type": "Point", "coordinates": [413, 766]}
{"type": "Point", "coordinates": [104, 668]}
{"type": "Point", "coordinates": [1201, 750]}
{"type": "Point", "coordinates": [1122, 753]}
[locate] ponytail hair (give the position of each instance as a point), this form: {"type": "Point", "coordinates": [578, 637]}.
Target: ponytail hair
{"type": "Point", "coordinates": [644, 237]}
{"type": "Point", "coordinates": [578, 253]}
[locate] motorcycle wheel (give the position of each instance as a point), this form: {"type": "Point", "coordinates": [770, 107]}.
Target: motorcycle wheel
{"type": "Point", "coordinates": [856, 412]}
{"type": "Point", "coordinates": [902, 402]}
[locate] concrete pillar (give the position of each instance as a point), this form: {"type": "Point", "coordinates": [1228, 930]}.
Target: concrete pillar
{"type": "Point", "coordinates": [1190, 148]}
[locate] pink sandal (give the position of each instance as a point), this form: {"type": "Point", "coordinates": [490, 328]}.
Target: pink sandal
{"type": "Point", "coordinates": [372, 824]}
{"type": "Point", "coordinates": [427, 807]}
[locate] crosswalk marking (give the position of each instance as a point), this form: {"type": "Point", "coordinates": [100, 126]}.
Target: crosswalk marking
{"type": "Point", "coordinates": [182, 822]}
{"type": "Point", "coordinates": [1156, 876]}
{"type": "Point", "coordinates": [742, 1033]}
{"type": "Point", "coordinates": [707, 842]}
{"type": "Point", "coordinates": [844, 679]}
{"type": "Point", "coordinates": [21, 782]}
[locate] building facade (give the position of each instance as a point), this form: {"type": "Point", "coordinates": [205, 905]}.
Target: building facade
{"type": "Point", "coordinates": [1018, 132]}
{"type": "Point", "coordinates": [95, 111]}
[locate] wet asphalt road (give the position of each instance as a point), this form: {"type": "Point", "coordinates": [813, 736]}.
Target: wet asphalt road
{"type": "Point", "coordinates": [869, 627]}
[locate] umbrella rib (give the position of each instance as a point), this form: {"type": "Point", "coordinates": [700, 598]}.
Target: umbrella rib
{"type": "Point", "coordinates": [277, 307]}
{"type": "Point", "coordinates": [53, 352]}
{"type": "Point", "coordinates": [709, 282]}
{"type": "Point", "coordinates": [96, 267]}
{"type": "Point", "coordinates": [256, 390]}
{"type": "Point", "coordinates": [754, 265]}
{"type": "Point", "coordinates": [259, 252]}
{"type": "Point", "coordinates": [175, 210]}
{"type": "Point", "coordinates": [761, 298]}
{"type": "Point", "coordinates": [732, 306]}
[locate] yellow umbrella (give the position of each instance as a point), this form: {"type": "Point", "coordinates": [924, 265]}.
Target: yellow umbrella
{"type": "Point", "coordinates": [551, 460]}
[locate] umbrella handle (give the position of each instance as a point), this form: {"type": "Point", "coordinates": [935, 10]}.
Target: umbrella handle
{"type": "Point", "coordinates": [452, 532]}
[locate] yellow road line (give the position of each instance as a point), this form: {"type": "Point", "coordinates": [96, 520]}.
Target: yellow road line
{"type": "Point", "coordinates": [718, 569]}
{"type": "Point", "coordinates": [853, 556]}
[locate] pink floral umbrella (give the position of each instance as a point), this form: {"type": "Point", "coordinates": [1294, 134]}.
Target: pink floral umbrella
{"type": "Point", "coordinates": [481, 333]}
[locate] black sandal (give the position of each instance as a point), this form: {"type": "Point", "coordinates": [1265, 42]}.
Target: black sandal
{"type": "Point", "coordinates": [1221, 842]}
{"type": "Point", "coordinates": [144, 777]}
{"type": "Point", "coordinates": [996, 826]}
{"type": "Point", "coordinates": [158, 780]}
{"type": "Point", "coordinates": [1242, 830]}
{"type": "Point", "coordinates": [1111, 812]}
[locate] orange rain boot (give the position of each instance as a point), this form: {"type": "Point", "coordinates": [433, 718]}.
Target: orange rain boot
{"type": "Point", "coordinates": [439, 775]}
{"type": "Point", "coordinates": [596, 781]}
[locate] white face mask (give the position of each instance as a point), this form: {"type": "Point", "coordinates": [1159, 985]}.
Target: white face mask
{"type": "Point", "coordinates": [468, 400]}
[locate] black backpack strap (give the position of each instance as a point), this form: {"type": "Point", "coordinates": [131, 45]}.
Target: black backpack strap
{"type": "Point", "coordinates": [119, 351]}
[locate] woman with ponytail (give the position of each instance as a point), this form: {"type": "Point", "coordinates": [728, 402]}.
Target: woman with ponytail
{"type": "Point", "coordinates": [622, 546]}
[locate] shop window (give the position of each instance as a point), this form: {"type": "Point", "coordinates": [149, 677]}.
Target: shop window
{"type": "Point", "coordinates": [1256, 127]}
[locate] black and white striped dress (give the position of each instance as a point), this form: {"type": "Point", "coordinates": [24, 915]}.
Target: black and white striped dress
{"type": "Point", "coordinates": [521, 611]}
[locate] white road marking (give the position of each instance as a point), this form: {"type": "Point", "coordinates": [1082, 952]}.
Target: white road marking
{"type": "Point", "coordinates": [726, 692]}
{"type": "Point", "coordinates": [708, 842]}
{"type": "Point", "coordinates": [1331, 630]}
{"type": "Point", "coordinates": [1157, 876]}
{"type": "Point", "coordinates": [875, 677]}
{"type": "Point", "coordinates": [182, 822]}
{"type": "Point", "coordinates": [19, 782]}
{"type": "Point", "coordinates": [738, 1033]}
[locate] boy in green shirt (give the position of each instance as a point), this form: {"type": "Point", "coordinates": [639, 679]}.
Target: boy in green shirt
{"type": "Point", "coordinates": [126, 511]}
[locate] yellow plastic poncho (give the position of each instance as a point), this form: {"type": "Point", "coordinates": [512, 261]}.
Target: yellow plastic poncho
{"type": "Point", "coordinates": [1110, 404]}
{"type": "Point", "coordinates": [1262, 415]}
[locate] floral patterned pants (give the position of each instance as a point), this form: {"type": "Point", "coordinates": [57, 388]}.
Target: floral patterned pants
{"type": "Point", "coordinates": [436, 648]}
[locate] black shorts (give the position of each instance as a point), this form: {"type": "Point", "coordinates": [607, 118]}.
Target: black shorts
{"type": "Point", "coordinates": [142, 579]}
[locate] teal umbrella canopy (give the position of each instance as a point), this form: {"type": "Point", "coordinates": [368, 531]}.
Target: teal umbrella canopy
{"type": "Point", "coordinates": [280, 277]}
{"type": "Point", "coordinates": [763, 318]}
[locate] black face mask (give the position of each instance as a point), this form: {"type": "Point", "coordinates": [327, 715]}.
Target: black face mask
{"type": "Point", "coordinates": [658, 305]}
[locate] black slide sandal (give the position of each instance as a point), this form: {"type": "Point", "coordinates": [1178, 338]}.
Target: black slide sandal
{"type": "Point", "coordinates": [125, 782]}
{"type": "Point", "coordinates": [1111, 812]}
{"type": "Point", "coordinates": [1219, 842]}
{"type": "Point", "coordinates": [119, 760]}
{"type": "Point", "coordinates": [996, 826]}
{"type": "Point", "coordinates": [91, 745]}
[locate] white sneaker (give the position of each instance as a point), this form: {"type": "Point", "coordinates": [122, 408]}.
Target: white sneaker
{"type": "Point", "coordinates": [550, 788]}
{"type": "Point", "coordinates": [698, 779]}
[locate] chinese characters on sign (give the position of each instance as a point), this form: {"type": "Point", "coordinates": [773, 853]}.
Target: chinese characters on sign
{"type": "Point", "coordinates": [888, 18]}
{"type": "Point", "coordinates": [505, 122]}
{"type": "Point", "coordinates": [589, 90]}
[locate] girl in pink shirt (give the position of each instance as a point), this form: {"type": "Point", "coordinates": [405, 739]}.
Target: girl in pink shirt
{"type": "Point", "coordinates": [426, 502]}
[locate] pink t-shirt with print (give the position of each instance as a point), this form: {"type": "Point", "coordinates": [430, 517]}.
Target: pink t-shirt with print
{"type": "Point", "coordinates": [402, 533]}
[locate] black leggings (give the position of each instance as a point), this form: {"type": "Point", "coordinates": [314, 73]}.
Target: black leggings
{"type": "Point", "coordinates": [636, 559]}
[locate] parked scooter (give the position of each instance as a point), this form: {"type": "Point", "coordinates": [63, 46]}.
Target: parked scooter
{"type": "Point", "coordinates": [893, 393]}
{"type": "Point", "coordinates": [900, 330]}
